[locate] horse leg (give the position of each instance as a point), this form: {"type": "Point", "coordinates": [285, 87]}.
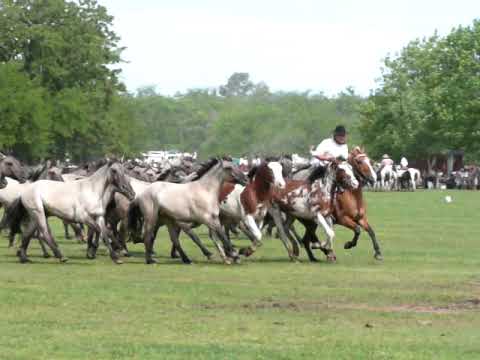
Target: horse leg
{"type": "Point", "coordinates": [148, 240]}
{"type": "Point", "coordinates": [219, 247]}
{"type": "Point", "coordinates": [122, 236]}
{"type": "Point", "coordinates": [92, 245]}
{"type": "Point", "coordinates": [11, 239]}
{"type": "Point", "coordinates": [106, 240]}
{"type": "Point", "coordinates": [249, 250]}
{"type": "Point", "coordinates": [45, 233]}
{"type": "Point", "coordinates": [376, 247]}
{"type": "Point", "coordinates": [65, 228]}
{"type": "Point", "coordinates": [327, 247]}
{"type": "Point", "coordinates": [27, 234]}
{"type": "Point", "coordinates": [351, 224]}
{"type": "Point", "coordinates": [78, 232]}
{"type": "Point", "coordinates": [294, 239]}
{"type": "Point", "coordinates": [309, 237]}
{"type": "Point", "coordinates": [198, 242]}
{"type": "Point", "coordinates": [216, 225]}
{"type": "Point", "coordinates": [283, 231]}
{"type": "Point", "coordinates": [174, 232]}
{"type": "Point", "coordinates": [254, 233]}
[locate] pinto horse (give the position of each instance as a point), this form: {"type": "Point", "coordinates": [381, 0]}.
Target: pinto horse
{"type": "Point", "coordinates": [311, 201]}
{"type": "Point", "coordinates": [349, 205]}
{"type": "Point", "coordinates": [247, 206]}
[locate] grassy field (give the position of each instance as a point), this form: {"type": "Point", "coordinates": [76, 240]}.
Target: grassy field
{"type": "Point", "coordinates": [421, 302]}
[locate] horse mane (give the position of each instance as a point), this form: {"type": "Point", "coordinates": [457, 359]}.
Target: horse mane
{"type": "Point", "coordinates": [317, 173]}
{"type": "Point", "coordinates": [205, 167]}
{"type": "Point", "coordinates": [252, 172]}
{"type": "Point", "coordinates": [37, 172]}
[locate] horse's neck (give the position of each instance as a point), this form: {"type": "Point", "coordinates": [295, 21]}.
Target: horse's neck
{"type": "Point", "coordinates": [328, 181]}
{"type": "Point", "coordinates": [99, 185]}
{"type": "Point", "coordinates": [213, 179]}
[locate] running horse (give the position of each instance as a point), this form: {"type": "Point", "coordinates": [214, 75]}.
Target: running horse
{"type": "Point", "coordinates": [82, 201]}
{"type": "Point", "coordinates": [179, 206]}
{"type": "Point", "coordinates": [311, 202]}
{"type": "Point", "coordinates": [350, 206]}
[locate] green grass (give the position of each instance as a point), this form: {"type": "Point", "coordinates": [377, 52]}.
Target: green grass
{"type": "Point", "coordinates": [413, 305]}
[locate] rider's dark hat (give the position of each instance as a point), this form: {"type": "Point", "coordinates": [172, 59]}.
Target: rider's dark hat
{"type": "Point", "coordinates": [340, 130]}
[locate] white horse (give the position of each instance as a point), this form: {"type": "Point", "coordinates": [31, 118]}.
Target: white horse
{"type": "Point", "coordinates": [83, 201]}
{"type": "Point", "coordinates": [388, 178]}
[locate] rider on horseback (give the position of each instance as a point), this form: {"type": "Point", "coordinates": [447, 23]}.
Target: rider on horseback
{"type": "Point", "coordinates": [331, 148]}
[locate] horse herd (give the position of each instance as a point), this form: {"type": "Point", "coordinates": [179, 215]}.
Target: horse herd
{"type": "Point", "coordinates": [110, 202]}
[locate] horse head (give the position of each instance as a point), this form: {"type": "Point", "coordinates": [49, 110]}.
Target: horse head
{"type": "Point", "coordinates": [362, 166]}
{"type": "Point", "coordinates": [9, 166]}
{"type": "Point", "coordinates": [344, 175]}
{"type": "Point", "coordinates": [277, 172]}
{"type": "Point", "coordinates": [120, 182]}
{"type": "Point", "coordinates": [232, 173]}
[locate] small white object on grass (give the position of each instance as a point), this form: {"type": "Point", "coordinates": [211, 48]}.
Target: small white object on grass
{"type": "Point", "coordinates": [448, 199]}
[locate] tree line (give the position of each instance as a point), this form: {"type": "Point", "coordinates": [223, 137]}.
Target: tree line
{"type": "Point", "coordinates": [60, 96]}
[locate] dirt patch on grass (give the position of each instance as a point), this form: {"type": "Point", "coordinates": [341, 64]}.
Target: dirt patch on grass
{"type": "Point", "coordinates": [462, 306]}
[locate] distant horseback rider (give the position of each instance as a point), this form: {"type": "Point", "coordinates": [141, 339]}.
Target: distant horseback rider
{"type": "Point", "coordinates": [386, 161]}
{"type": "Point", "coordinates": [331, 148]}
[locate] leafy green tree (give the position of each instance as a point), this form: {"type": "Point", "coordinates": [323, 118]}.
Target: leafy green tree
{"type": "Point", "coordinates": [428, 99]}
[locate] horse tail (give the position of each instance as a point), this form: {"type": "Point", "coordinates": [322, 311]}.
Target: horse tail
{"type": "Point", "coordinates": [135, 222]}
{"type": "Point", "coordinates": [13, 216]}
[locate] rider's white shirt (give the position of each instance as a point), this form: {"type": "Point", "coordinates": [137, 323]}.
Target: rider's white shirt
{"type": "Point", "coordinates": [329, 147]}
{"type": "Point", "coordinates": [404, 162]}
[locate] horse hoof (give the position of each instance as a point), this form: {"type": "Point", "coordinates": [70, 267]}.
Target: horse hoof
{"type": "Point", "coordinates": [63, 259]}
{"type": "Point", "coordinates": [378, 257]}
{"type": "Point", "coordinates": [246, 251]}
{"type": "Point", "coordinates": [227, 262]}
{"type": "Point", "coordinates": [151, 261]}
{"type": "Point", "coordinates": [127, 254]}
{"type": "Point", "coordinates": [91, 256]}
{"type": "Point", "coordinates": [236, 260]}
{"type": "Point", "coordinates": [348, 245]}
{"type": "Point", "coordinates": [46, 256]}
{"type": "Point", "coordinates": [118, 261]}
{"type": "Point", "coordinates": [25, 260]}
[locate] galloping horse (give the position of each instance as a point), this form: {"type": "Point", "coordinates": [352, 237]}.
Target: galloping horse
{"type": "Point", "coordinates": [175, 205]}
{"type": "Point", "coordinates": [247, 206]}
{"type": "Point", "coordinates": [82, 201]}
{"type": "Point", "coordinates": [350, 207]}
{"type": "Point", "coordinates": [311, 200]}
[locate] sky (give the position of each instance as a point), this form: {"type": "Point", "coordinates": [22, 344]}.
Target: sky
{"type": "Point", "coordinates": [295, 45]}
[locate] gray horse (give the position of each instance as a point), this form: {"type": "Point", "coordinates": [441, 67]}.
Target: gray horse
{"type": "Point", "coordinates": [83, 201]}
{"type": "Point", "coordinates": [175, 205]}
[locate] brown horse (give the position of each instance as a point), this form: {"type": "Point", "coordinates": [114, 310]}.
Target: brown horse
{"type": "Point", "coordinates": [350, 206]}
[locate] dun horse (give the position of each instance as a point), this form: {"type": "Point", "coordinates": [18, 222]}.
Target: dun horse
{"type": "Point", "coordinates": [172, 204]}
{"type": "Point", "coordinates": [82, 201]}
